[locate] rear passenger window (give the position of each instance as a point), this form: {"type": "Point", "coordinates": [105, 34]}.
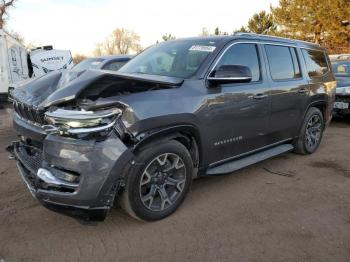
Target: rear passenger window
{"type": "Point", "coordinates": [243, 54]}
{"type": "Point", "coordinates": [283, 62]}
{"type": "Point", "coordinates": [316, 62]}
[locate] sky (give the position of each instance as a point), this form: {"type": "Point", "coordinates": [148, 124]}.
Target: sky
{"type": "Point", "coordinates": [78, 25]}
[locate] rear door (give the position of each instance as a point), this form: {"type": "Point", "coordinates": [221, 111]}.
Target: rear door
{"type": "Point", "coordinates": [239, 112]}
{"type": "Point", "coordinates": [288, 91]}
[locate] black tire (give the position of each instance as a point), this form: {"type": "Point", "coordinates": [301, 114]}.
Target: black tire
{"type": "Point", "coordinates": [307, 141]}
{"type": "Point", "coordinates": [136, 190]}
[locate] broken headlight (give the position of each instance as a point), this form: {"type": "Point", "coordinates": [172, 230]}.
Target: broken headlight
{"type": "Point", "coordinates": [80, 122]}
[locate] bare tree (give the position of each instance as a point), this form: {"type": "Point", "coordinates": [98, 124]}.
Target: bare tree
{"type": "Point", "coordinates": [4, 6]}
{"type": "Point", "coordinates": [98, 49]}
{"type": "Point", "coordinates": [121, 41]}
{"type": "Point", "coordinates": [77, 58]}
{"type": "Point", "coordinates": [126, 40]}
{"type": "Point", "coordinates": [205, 32]}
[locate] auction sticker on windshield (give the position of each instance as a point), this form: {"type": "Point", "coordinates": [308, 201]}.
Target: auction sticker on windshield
{"type": "Point", "coordinates": [202, 48]}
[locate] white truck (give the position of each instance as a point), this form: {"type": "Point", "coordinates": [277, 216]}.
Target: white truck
{"type": "Point", "coordinates": [13, 63]}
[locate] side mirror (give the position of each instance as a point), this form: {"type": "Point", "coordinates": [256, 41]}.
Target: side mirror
{"type": "Point", "coordinates": [231, 74]}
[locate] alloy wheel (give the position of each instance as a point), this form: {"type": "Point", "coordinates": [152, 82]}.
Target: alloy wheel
{"type": "Point", "coordinates": [162, 182]}
{"type": "Point", "coordinates": [313, 131]}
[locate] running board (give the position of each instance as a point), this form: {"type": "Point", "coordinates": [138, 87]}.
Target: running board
{"type": "Point", "coordinates": [237, 164]}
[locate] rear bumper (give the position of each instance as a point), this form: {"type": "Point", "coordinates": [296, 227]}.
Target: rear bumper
{"type": "Point", "coordinates": [98, 169]}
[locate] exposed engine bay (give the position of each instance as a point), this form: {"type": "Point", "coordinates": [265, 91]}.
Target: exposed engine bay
{"type": "Point", "coordinates": [85, 105]}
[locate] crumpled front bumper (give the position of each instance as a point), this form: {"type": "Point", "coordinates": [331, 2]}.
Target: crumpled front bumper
{"type": "Point", "coordinates": [99, 167]}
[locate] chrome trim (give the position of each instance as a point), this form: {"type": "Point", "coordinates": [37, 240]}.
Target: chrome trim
{"type": "Point", "coordinates": [71, 115]}
{"type": "Point", "coordinates": [263, 42]}
{"type": "Point", "coordinates": [46, 176]}
{"type": "Point", "coordinates": [229, 78]}
{"type": "Point", "coordinates": [275, 37]}
{"type": "Point", "coordinates": [75, 131]}
{"type": "Point", "coordinates": [248, 153]}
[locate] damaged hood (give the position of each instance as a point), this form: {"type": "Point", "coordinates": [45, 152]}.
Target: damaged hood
{"type": "Point", "coordinates": [63, 86]}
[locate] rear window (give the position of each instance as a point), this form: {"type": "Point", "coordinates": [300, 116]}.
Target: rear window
{"type": "Point", "coordinates": [89, 63]}
{"type": "Point", "coordinates": [283, 62]}
{"type": "Point", "coordinates": [114, 66]}
{"type": "Point", "coordinates": [316, 62]}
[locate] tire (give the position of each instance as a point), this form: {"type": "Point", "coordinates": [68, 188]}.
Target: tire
{"type": "Point", "coordinates": [158, 186]}
{"type": "Point", "coordinates": [311, 132]}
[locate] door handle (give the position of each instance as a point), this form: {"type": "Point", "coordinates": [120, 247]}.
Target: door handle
{"type": "Point", "coordinates": [303, 90]}
{"type": "Point", "coordinates": [259, 96]}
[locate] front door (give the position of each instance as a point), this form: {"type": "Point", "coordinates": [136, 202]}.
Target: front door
{"type": "Point", "coordinates": [239, 112]}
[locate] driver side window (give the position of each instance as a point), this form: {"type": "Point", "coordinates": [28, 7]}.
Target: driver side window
{"type": "Point", "coordinates": [245, 55]}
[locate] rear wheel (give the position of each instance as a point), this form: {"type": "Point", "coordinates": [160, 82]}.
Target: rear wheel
{"type": "Point", "coordinates": [310, 133]}
{"type": "Point", "coordinates": [156, 188]}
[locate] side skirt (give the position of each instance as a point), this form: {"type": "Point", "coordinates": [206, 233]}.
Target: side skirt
{"type": "Point", "coordinates": [240, 163]}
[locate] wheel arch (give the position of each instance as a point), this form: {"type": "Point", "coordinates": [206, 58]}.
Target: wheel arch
{"type": "Point", "coordinates": [188, 135]}
{"type": "Point", "coordinates": [319, 104]}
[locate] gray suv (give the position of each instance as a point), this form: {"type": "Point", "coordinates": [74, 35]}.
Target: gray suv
{"type": "Point", "coordinates": [180, 110]}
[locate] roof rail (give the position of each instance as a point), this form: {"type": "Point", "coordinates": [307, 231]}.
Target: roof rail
{"type": "Point", "coordinates": [273, 37]}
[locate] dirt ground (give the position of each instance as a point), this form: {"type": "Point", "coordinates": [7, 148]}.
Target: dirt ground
{"type": "Point", "coordinates": [252, 215]}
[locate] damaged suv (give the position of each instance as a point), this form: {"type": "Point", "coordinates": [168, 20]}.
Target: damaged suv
{"type": "Point", "coordinates": [180, 110]}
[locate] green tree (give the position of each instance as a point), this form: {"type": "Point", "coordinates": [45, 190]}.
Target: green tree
{"type": "Point", "coordinates": [168, 37]}
{"type": "Point", "coordinates": [217, 31]}
{"type": "Point", "coordinates": [318, 21]}
{"type": "Point", "coordinates": [241, 30]}
{"type": "Point", "coordinates": [261, 23]}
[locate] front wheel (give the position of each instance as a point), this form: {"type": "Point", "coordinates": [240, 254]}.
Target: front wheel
{"type": "Point", "coordinates": [156, 188]}
{"type": "Point", "coordinates": [311, 132]}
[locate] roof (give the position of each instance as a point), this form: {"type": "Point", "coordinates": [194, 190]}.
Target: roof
{"type": "Point", "coordinates": [260, 37]}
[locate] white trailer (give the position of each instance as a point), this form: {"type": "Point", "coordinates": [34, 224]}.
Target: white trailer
{"type": "Point", "coordinates": [13, 63]}
{"type": "Point", "coordinates": [48, 60]}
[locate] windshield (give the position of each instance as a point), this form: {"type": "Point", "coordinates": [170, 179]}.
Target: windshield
{"type": "Point", "coordinates": [180, 58]}
{"type": "Point", "coordinates": [90, 63]}
{"type": "Point", "coordinates": [341, 68]}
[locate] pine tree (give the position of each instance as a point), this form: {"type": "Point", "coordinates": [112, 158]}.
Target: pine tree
{"type": "Point", "coordinates": [261, 23]}
{"type": "Point", "coordinates": [319, 21]}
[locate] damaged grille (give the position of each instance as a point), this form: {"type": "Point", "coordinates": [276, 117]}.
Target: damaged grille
{"type": "Point", "coordinates": [30, 157]}
{"type": "Point", "coordinates": [29, 113]}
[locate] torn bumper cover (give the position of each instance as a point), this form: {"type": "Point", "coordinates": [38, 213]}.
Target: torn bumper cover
{"type": "Point", "coordinates": [72, 176]}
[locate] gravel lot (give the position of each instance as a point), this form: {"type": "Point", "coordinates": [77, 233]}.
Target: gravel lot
{"type": "Point", "coordinates": [256, 214]}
